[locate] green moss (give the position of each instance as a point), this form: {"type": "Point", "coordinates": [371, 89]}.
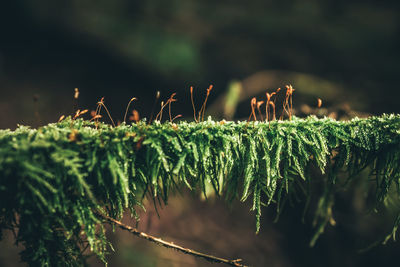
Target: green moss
{"type": "Point", "coordinates": [54, 179]}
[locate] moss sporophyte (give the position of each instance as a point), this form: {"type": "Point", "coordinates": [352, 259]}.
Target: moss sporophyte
{"type": "Point", "coordinates": [61, 182]}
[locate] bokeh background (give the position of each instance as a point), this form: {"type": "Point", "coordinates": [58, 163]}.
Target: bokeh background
{"type": "Point", "coordinates": [344, 52]}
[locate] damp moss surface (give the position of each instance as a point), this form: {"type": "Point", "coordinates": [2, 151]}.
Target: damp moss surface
{"type": "Point", "coordinates": [55, 180]}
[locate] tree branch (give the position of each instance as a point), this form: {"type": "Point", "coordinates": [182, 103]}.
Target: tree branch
{"type": "Point", "coordinates": [166, 244]}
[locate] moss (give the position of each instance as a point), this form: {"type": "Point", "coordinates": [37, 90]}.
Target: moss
{"type": "Point", "coordinates": [56, 178]}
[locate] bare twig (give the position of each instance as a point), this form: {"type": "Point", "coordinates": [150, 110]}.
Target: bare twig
{"type": "Point", "coordinates": [166, 244]}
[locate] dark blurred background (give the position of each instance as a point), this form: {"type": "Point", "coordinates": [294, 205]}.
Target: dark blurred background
{"type": "Point", "coordinates": [345, 52]}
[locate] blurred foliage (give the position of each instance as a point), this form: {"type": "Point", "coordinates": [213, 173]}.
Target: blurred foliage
{"type": "Point", "coordinates": [323, 37]}
{"type": "Point", "coordinates": [350, 42]}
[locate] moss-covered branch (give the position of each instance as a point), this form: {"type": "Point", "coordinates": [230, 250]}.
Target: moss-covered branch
{"type": "Point", "coordinates": [54, 179]}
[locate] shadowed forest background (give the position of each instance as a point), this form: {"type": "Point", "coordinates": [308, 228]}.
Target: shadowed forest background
{"type": "Point", "coordinates": [344, 52]}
